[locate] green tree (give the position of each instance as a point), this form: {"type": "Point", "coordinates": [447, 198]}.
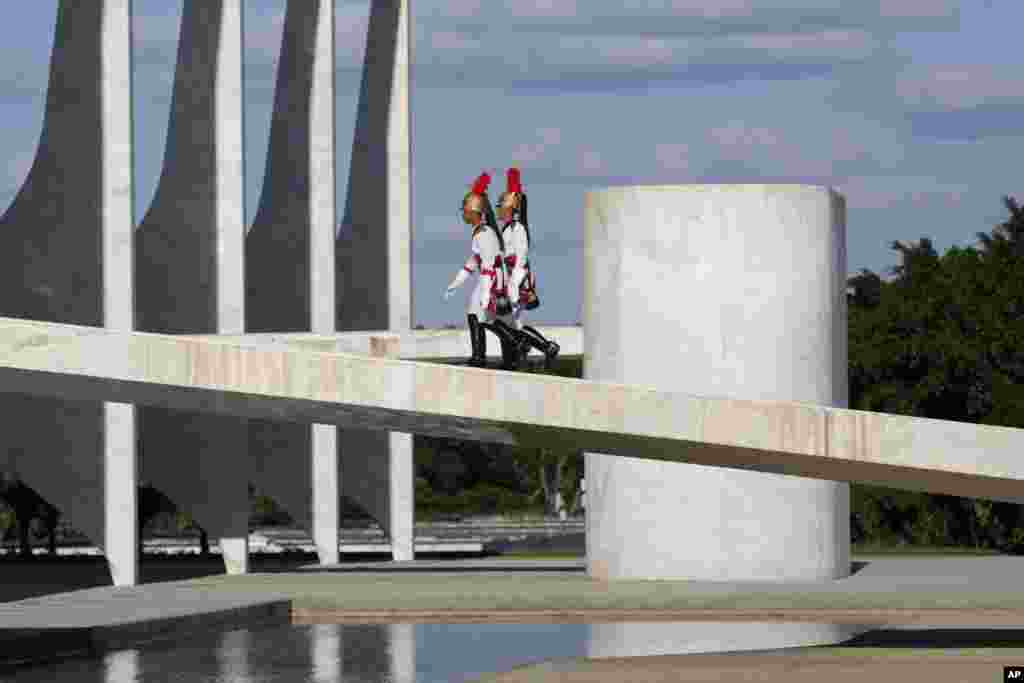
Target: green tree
{"type": "Point", "coordinates": [942, 338]}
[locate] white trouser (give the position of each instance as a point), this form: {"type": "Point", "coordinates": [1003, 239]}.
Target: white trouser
{"type": "Point", "coordinates": [515, 318]}
{"type": "Point", "coordinates": [481, 313]}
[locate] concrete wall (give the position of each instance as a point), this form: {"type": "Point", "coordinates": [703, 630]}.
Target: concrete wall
{"type": "Point", "coordinates": [65, 255]}
{"type": "Point", "coordinates": [189, 270]}
{"type": "Point", "coordinates": [374, 260]}
{"type": "Point", "coordinates": [726, 291]}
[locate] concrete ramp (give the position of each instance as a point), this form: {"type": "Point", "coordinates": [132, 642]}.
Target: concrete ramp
{"type": "Point", "coordinates": [366, 392]}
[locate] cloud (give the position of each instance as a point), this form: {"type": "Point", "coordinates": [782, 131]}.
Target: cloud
{"type": "Point", "coordinates": [524, 57]}
{"type": "Point", "coordinates": [540, 151]}
{"type": "Point", "coordinates": [984, 121]}
{"type": "Point", "coordinates": [263, 33]}
{"type": "Point", "coordinates": [18, 166]}
{"type": "Point", "coordinates": [960, 86]}
{"type": "Point", "coordinates": [708, 17]}
{"type": "Point", "coordinates": [672, 156]}
{"type": "Point", "coordinates": [880, 192]}
{"type": "Point", "coordinates": [832, 44]}
{"type": "Point", "coordinates": [546, 9]}
{"type": "Point", "coordinates": [453, 40]}
{"type": "Point", "coordinates": [917, 9]}
{"type": "Point", "coordinates": [590, 162]}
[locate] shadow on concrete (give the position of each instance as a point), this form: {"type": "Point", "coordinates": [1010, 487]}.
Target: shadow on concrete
{"type": "Point", "coordinates": [428, 565]}
{"type": "Point", "coordinates": [22, 578]}
{"type": "Point", "coordinates": [940, 638]}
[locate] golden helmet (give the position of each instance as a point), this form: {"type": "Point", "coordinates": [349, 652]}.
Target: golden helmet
{"type": "Point", "coordinates": [476, 198]}
{"type": "Point", "coordinates": [511, 198]}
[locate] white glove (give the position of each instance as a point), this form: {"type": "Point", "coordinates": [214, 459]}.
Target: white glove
{"type": "Point", "coordinates": [449, 292]}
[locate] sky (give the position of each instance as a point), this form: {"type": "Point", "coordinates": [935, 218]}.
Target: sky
{"type": "Point", "coordinates": [913, 109]}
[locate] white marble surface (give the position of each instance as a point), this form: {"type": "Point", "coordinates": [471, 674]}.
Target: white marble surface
{"type": "Point", "coordinates": [735, 291]}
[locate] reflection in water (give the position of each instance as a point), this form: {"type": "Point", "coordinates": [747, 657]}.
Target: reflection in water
{"type": "Point", "coordinates": [638, 640]}
{"type": "Point", "coordinates": [122, 665]}
{"type": "Point", "coordinates": [233, 655]}
{"type": "Point", "coordinates": [403, 652]}
{"type": "Point", "coordinates": [413, 653]}
{"type": "Point", "coordinates": [325, 640]}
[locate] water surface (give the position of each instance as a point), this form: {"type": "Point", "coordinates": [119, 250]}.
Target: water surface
{"type": "Point", "coordinates": [407, 653]}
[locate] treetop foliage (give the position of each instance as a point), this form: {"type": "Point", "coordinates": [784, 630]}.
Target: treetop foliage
{"type": "Point", "coordinates": [944, 337]}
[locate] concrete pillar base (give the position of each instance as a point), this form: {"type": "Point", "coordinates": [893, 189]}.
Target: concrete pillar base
{"type": "Point", "coordinates": [235, 551]}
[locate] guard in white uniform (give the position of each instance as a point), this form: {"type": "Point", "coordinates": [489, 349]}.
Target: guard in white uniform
{"type": "Point", "coordinates": [486, 260]}
{"type": "Point", "coordinates": [522, 286]}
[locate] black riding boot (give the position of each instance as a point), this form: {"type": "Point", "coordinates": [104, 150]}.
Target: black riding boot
{"type": "Point", "coordinates": [549, 348]}
{"type": "Point", "coordinates": [477, 341]}
{"type": "Point", "coordinates": [514, 346]}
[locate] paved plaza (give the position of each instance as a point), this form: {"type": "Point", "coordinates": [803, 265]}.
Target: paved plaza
{"type": "Point", "coordinates": [967, 592]}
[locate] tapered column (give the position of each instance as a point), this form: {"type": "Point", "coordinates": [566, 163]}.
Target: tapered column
{"type": "Point", "coordinates": [189, 270]}
{"type": "Point", "coordinates": [65, 256]}
{"type": "Point", "coordinates": [119, 456]}
{"type": "Point", "coordinates": [295, 228]}
{"type": "Point", "coordinates": [374, 247]}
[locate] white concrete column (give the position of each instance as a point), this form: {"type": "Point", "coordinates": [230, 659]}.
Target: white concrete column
{"type": "Point", "coordinates": [322, 187]}
{"type": "Point", "coordinates": [120, 466]}
{"type": "Point", "coordinates": [401, 490]}
{"type": "Point", "coordinates": [402, 501]}
{"type": "Point", "coordinates": [295, 225]}
{"type": "Point", "coordinates": [743, 293]}
{"type": "Point", "coordinates": [399, 160]}
{"type": "Point", "coordinates": [326, 487]}
{"type": "Point", "coordinates": [65, 256]}
{"type": "Point", "coordinates": [230, 208]}
{"type": "Point", "coordinates": [374, 255]}
{"type": "Point", "coordinates": [230, 183]}
{"type": "Point", "coordinates": [189, 275]}
{"type": "Point", "coordinates": [326, 482]}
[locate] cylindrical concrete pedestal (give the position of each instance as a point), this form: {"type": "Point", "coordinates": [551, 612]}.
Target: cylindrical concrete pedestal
{"type": "Point", "coordinates": [733, 291]}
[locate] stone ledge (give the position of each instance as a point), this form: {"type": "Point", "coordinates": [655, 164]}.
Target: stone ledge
{"type": "Point", "coordinates": [21, 646]}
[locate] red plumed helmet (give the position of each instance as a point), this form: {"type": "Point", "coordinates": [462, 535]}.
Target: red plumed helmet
{"type": "Point", "coordinates": [513, 182]}
{"type": "Point", "coordinates": [480, 186]}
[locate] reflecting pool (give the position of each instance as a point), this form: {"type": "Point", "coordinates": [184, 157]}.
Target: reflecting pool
{"type": "Point", "coordinates": [407, 653]}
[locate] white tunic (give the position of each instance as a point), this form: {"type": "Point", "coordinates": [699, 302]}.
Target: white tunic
{"type": "Point", "coordinates": [517, 245]}
{"type": "Point", "coordinates": [487, 261]}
